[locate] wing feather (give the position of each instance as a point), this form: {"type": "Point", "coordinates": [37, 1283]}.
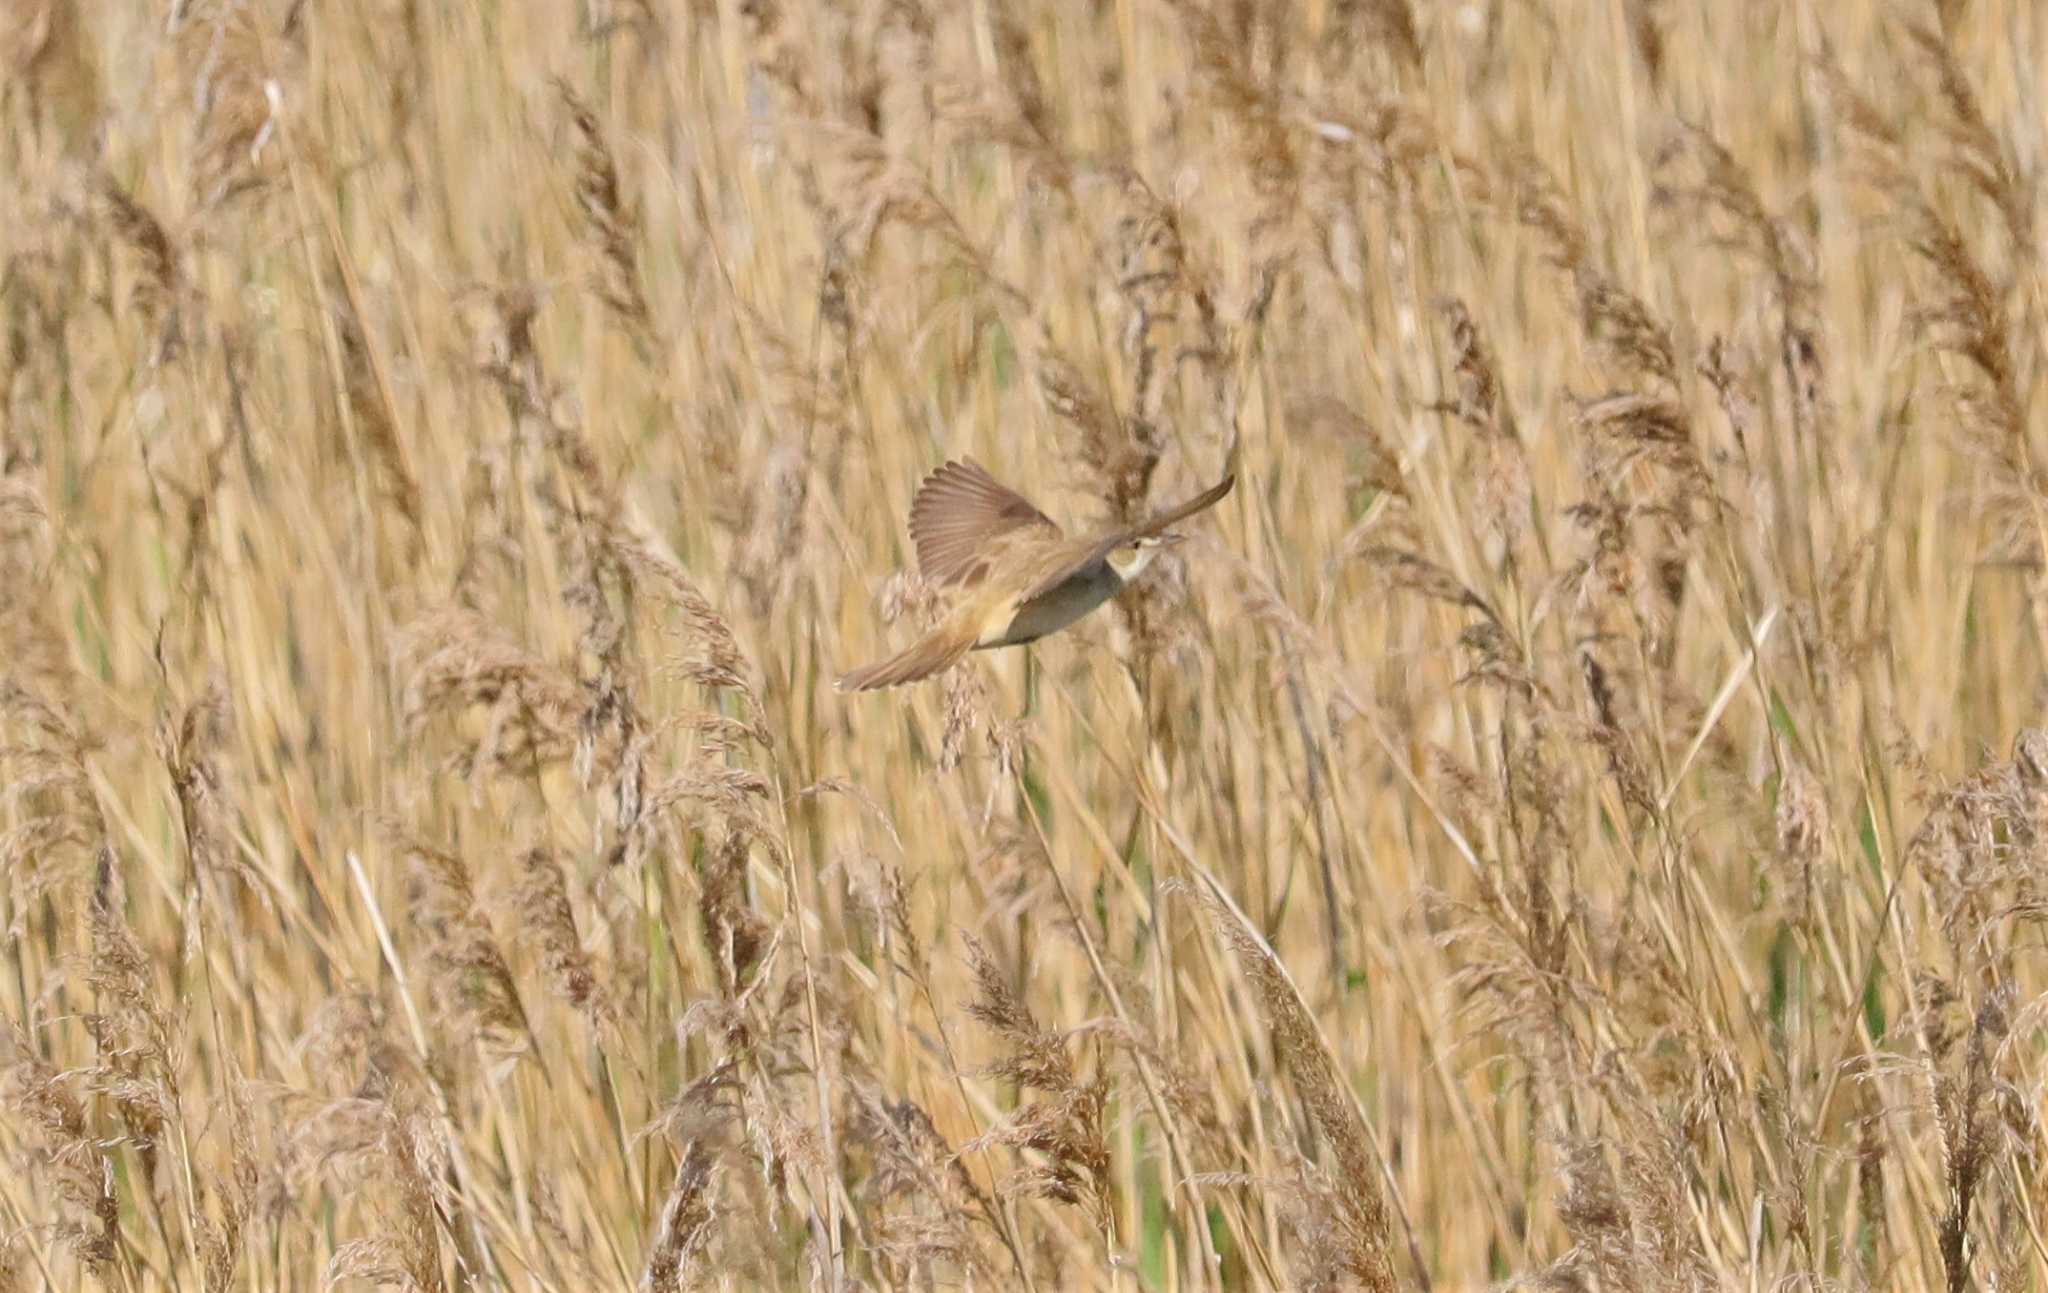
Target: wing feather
{"type": "Point", "coordinates": [1080, 558]}
{"type": "Point", "coordinates": [959, 510]}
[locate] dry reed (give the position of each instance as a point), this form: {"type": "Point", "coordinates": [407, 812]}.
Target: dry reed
{"type": "Point", "coordinates": [1575, 818]}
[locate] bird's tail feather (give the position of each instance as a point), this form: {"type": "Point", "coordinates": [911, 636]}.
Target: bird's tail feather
{"type": "Point", "coordinates": [936, 651]}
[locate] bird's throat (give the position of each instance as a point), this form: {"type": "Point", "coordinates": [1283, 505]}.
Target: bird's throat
{"type": "Point", "coordinates": [1129, 564]}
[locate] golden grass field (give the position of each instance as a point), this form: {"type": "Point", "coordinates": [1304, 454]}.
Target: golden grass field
{"type": "Point", "coordinates": [1573, 818]}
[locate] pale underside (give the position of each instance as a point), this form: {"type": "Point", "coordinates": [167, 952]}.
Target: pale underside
{"type": "Point", "coordinates": [1017, 576]}
{"type": "Point", "coordinates": [1021, 577]}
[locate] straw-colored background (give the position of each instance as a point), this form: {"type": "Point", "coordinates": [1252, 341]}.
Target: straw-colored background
{"type": "Point", "coordinates": [1568, 816]}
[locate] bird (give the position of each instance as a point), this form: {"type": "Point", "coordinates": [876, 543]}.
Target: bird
{"type": "Point", "coordinates": [1018, 576]}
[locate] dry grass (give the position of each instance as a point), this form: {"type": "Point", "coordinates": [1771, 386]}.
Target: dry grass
{"type": "Point", "coordinates": [1576, 818]}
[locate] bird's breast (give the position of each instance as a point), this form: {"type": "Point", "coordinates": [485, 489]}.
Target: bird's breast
{"type": "Point", "coordinates": [1051, 611]}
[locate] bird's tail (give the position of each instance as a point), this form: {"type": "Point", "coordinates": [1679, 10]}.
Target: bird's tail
{"type": "Point", "coordinates": [938, 650]}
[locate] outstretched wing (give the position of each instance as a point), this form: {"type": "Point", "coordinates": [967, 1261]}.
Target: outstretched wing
{"type": "Point", "coordinates": [959, 510]}
{"type": "Point", "coordinates": [1206, 499]}
{"type": "Point", "coordinates": [1087, 556]}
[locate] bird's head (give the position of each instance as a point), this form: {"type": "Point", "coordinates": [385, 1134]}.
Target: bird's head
{"type": "Point", "coordinates": [1130, 557]}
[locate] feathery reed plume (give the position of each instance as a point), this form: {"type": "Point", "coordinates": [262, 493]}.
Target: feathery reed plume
{"type": "Point", "coordinates": [611, 225]}
{"type": "Point", "coordinates": [925, 1197]}
{"type": "Point", "coordinates": [1975, 152]}
{"type": "Point", "coordinates": [1625, 1231]}
{"type": "Point", "coordinates": [227, 62]}
{"type": "Point", "coordinates": [1804, 830]}
{"type": "Point", "coordinates": [222, 1235]}
{"type": "Point", "coordinates": [190, 751]}
{"type": "Point", "coordinates": [612, 737]}
{"type": "Point", "coordinates": [1503, 492]}
{"type": "Point", "coordinates": [1699, 179]}
{"type": "Point", "coordinates": [736, 934]}
{"type": "Point", "coordinates": [472, 985]}
{"type": "Point", "coordinates": [500, 323]}
{"type": "Point", "coordinates": [967, 711]}
{"type": "Point", "coordinates": [1964, 309]}
{"type": "Point", "coordinates": [50, 1105]}
{"type": "Point", "coordinates": [1373, 465]}
{"type": "Point", "coordinates": [709, 654]}
{"type": "Point", "coordinates": [405, 1249]}
{"type": "Point", "coordinates": [1242, 99]}
{"type": "Point", "coordinates": [885, 192]}
{"type": "Point", "coordinates": [683, 1234]}
{"type": "Point", "coordinates": [733, 798]}
{"type": "Point", "coordinates": [1567, 927]}
{"type": "Point", "coordinates": [1356, 1248]}
{"type": "Point", "coordinates": [365, 375]}
{"type": "Point", "coordinates": [683, 1230]}
{"type": "Point", "coordinates": [1017, 77]}
{"type": "Point", "coordinates": [1624, 329]}
{"type": "Point", "coordinates": [1065, 1129]}
{"type": "Point", "coordinates": [1102, 441]}
{"type": "Point", "coordinates": [140, 1043]}
{"type": "Point", "coordinates": [1974, 852]}
{"type": "Point", "coordinates": [59, 846]}
{"type": "Point", "coordinates": [1966, 1119]}
{"type": "Point", "coordinates": [160, 292]}
{"type": "Point", "coordinates": [346, 1046]}
{"type": "Point", "coordinates": [455, 662]}
{"type": "Point", "coordinates": [767, 509]}
{"type": "Point", "coordinates": [545, 926]}
{"type": "Point", "coordinates": [1417, 574]}
{"type": "Point", "coordinates": [49, 851]}
{"type": "Point", "coordinates": [1012, 113]}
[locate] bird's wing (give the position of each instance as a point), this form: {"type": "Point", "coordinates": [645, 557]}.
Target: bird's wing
{"type": "Point", "coordinates": [1206, 499]}
{"type": "Point", "coordinates": [1055, 564]}
{"type": "Point", "coordinates": [936, 651]}
{"type": "Point", "coordinates": [958, 511]}
{"type": "Point", "coordinates": [1076, 556]}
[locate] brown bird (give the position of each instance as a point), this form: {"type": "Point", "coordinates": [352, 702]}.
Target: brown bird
{"type": "Point", "coordinates": [1020, 577]}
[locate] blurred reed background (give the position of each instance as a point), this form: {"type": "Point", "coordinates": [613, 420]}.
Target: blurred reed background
{"type": "Point", "coordinates": [1572, 819]}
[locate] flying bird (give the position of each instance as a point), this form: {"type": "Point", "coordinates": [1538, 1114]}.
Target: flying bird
{"type": "Point", "coordinates": [1019, 577]}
